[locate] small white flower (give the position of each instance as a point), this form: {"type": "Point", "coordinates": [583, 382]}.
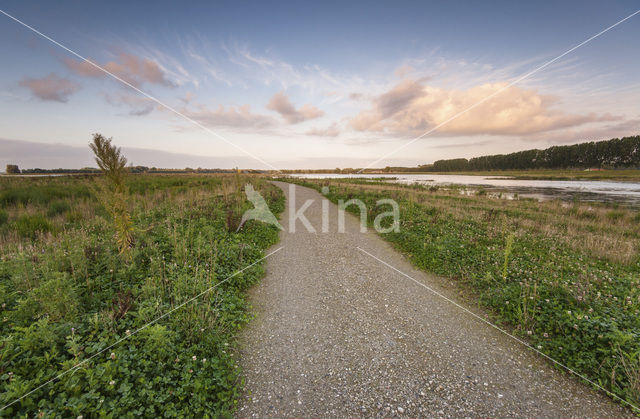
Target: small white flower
{"type": "Point", "coordinates": [204, 360]}
{"type": "Point", "coordinates": [194, 357]}
{"type": "Point", "coordinates": [111, 382]}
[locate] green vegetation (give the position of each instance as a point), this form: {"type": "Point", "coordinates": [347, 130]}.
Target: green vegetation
{"type": "Point", "coordinates": [12, 169]}
{"type": "Point", "coordinates": [617, 152]}
{"type": "Point", "coordinates": [66, 293]}
{"type": "Point", "coordinates": [113, 191]}
{"type": "Point", "coordinates": [565, 277]}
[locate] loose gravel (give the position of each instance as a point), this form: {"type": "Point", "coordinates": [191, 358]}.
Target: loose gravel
{"type": "Point", "coordinates": [336, 333]}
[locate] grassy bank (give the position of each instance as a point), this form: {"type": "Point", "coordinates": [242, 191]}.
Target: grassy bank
{"type": "Point", "coordinates": [66, 293]}
{"type": "Point", "coordinates": [565, 277]}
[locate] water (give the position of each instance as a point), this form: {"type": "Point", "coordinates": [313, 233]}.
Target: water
{"type": "Point", "coordinates": [627, 193]}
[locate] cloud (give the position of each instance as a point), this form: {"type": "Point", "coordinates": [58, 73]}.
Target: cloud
{"type": "Point", "coordinates": [232, 116]}
{"type": "Point", "coordinates": [128, 67]}
{"type": "Point", "coordinates": [187, 98]}
{"type": "Point", "coordinates": [138, 105]}
{"type": "Point", "coordinates": [605, 131]}
{"type": "Point", "coordinates": [330, 131]}
{"type": "Point", "coordinates": [51, 87]}
{"type": "Point", "coordinates": [412, 108]}
{"type": "Point", "coordinates": [281, 104]}
{"type": "Point", "coordinates": [404, 70]}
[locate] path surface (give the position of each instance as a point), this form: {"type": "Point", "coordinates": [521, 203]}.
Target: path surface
{"type": "Point", "coordinates": [337, 333]}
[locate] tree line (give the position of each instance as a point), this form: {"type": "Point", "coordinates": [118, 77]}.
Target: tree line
{"type": "Point", "coordinates": [12, 169]}
{"type": "Point", "coordinates": [614, 153]}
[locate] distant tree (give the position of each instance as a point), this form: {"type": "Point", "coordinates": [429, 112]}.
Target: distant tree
{"type": "Point", "coordinates": [617, 152]}
{"type": "Point", "coordinates": [12, 169]}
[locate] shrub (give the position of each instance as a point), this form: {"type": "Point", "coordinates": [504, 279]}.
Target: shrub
{"type": "Point", "coordinates": [30, 225]}
{"type": "Point", "coordinates": [4, 217]}
{"type": "Point", "coordinates": [12, 169]}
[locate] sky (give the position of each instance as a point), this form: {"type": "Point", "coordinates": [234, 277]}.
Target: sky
{"type": "Point", "coordinates": [293, 85]}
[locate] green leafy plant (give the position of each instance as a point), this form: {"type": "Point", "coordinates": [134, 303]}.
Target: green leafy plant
{"type": "Point", "coordinates": [115, 195]}
{"type": "Point", "coordinates": [508, 248]}
{"type": "Point", "coordinates": [58, 297]}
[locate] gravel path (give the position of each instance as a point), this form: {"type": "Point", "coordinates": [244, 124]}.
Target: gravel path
{"type": "Point", "coordinates": [337, 333]}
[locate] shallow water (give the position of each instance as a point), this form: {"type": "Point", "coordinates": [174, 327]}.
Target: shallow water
{"type": "Point", "coordinates": [627, 193]}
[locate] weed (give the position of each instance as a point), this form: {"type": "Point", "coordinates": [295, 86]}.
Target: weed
{"type": "Point", "coordinates": [58, 297]}
{"type": "Point", "coordinates": [615, 215]}
{"type": "Point", "coordinates": [507, 252]}
{"type": "Point", "coordinates": [113, 165]}
{"type": "Point", "coordinates": [57, 208]}
{"type": "Point", "coordinates": [30, 225]}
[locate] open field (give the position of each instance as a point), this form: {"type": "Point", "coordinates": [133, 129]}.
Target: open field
{"type": "Point", "coordinates": [566, 277]}
{"type": "Point", "coordinates": [67, 293]}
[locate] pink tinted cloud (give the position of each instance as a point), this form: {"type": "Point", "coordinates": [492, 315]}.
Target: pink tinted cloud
{"type": "Point", "coordinates": [128, 67]}
{"type": "Point", "coordinates": [51, 87]}
{"type": "Point", "coordinates": [280, 103]}
{"type": "Point", "coordinates": [411, 108]}
{"type": "Point", "coordinates": [331, 131]}
{"type": "Point", "coordinates": [138, 105]}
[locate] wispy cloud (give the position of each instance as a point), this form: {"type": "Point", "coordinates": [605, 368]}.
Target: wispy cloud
{"type": "Point", "coordinates": [130, 68]}
{"type": "Point", "coordinates": [51, 87]}
{"type": "Point", "coordinates": [231, 116]}
{"type": "Point", "coordinates": [280, 103]}
{"type": "Point", "coordinates": [138, 105]}
{"type": "Point", "coordinates": [331, 131]}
